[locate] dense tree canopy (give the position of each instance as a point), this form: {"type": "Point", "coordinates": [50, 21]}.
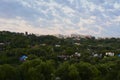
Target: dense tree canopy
{"type": "Point", "coordinates": [52, 58]}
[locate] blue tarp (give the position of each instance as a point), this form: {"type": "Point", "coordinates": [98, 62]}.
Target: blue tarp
{"type": "Point", "coordinates": [23, 58]}
{"type": "Point", "coordinates": [118, 55]}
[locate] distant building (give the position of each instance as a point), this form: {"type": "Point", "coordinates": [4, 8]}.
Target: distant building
{"type": "Point", "coordinates": [77, 44]}
{"type": "Point", "coordinates": [2, 46]}
{"type": "Point", "coordinates": [57, 78]}
{"type": "Point", "coordinates": [63, 57]}
{"type": "Point", "coordinates": [43, 44]}
{"type": "Point", "coordinates": [57, 45]}
{"type": "Point", "coordinates": [77, 54]}
{"type": "Point", "coordinates": [61, 36]}
{"type": "Point", "coordinates": [110, 54]}
{"type": "Point", "coordinates": [95, 55]}
{"type": "Point", "coordinates": [77, 36]}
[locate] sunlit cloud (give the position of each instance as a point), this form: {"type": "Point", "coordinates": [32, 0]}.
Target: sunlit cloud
{"type": "Point", "coordinates": [93, 17]}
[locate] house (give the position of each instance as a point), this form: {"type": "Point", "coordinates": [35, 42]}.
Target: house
{"type": "Point", "coordinates": [57, 78]}
{"type": "Point", "coordinates": [2, 43]}
{"type": "Point", "coordinates": [43, 44]}
{"type": "Point", "coordinates": [77, 54]}
{"type": "Point", "coordinates": [77, 44]}
{"type": "Point", "coordinates": [63, 57]}
{"type": "Point", "coordinates": [110, 54]}
{"type": "Point", "coordinates": [97, 55]}
{"type": "Point", "coordinates": [57, 45]}
{"type": "Point", "coordinates": [2, 46]}
{"type": "Point", "coordinates": [67, 57]}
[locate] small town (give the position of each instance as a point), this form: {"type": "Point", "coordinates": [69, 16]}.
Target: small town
{"type": "Point", "coordinates": [58, 58]}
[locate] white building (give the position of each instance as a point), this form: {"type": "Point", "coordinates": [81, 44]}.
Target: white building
{"type": "Point", "coordinates": [110, 54]}
{"type": "Point", "coordinates": [57, 45]}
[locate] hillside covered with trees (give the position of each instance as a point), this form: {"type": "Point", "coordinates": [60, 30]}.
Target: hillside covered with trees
{"type": "Point", "coordinates": [46, 57]}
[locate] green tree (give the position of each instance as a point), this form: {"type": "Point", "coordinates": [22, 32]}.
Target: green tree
{"type": "Point", "coordinates": [87, 71]}
{"type": "Point", "coordinates": [62, 71]}
{"type": "Point", "coordinates": [8, 72]}
{"type": "Point", "coordinates": [73, 73]}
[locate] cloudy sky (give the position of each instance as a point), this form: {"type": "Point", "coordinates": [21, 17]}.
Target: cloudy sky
{"type": "Point", "coordinates": [89, 17]}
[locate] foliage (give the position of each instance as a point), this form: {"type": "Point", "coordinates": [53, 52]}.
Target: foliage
{"type": "Point", "coordinates": [43, 61]}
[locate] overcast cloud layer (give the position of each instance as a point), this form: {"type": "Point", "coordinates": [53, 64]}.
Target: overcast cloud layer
{"type": "Point", "coordinates": [89, 17]}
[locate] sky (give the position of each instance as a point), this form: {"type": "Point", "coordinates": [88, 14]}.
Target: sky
{"type": "Point", "coordinates": [100, 18]}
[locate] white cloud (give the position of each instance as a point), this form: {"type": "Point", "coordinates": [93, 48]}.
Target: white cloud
{"type": "Point", "coordinates": [20, 25]}
{"type": "Point", "coordinates": [117, 5]}
{"type": "Point", "coordinates": [67, 10]}
{"type": "Point", "coordinates": [117, 19]}
{"type": "Point", "coordinates": [79, 16]}
{"type": "Point", "coordinates": [113, 21]}
{"type": "Point", "coordinates": [87, 21]}
{"type": "Point", "coordinates": [71, 1]}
